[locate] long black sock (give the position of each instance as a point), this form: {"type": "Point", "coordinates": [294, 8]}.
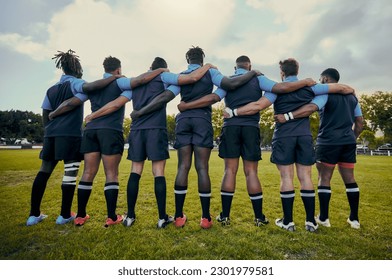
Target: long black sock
{"type": "Point", "coordinates": [37, 192]}
{"type": "Point", "coordinates": [227, 198]}
{"type": "Point", "coordinates": [352, 191]}
{"type": "Point", "coordinates": [68, 191]}
{"type": "Point", "coordinates": [160, 195]}
{"type": "Point", "coordinates": [324, 195]}
{"type": "Point", "coordinates": [132, 193]}
{"type": "Point", "coordinates": [179, 195]}
{"type": "Point", "coordinates": [84, 192]}
{"type": "Point", "coordinates": [111, 195]}
{"type": "Point", "coordinates": [257, 204]}
{"type": "Point", "coordinates": [309, 200]}
{"type": "Point", "coordinates": [205, 198]}
{"type": "Point", "coordinates": [287, 205]}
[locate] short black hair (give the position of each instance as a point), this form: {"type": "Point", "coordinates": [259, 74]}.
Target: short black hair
{"type": "Point", "coordinates": [289, 67]}
{"type": "Point", "coordinates": [331, 73]}
{"type": "Point", "coordinates": [195, 54]}
{"type": "Point", "coordinates": [242, 58]}
{"type": "Point", "coordinates": [111, 64]}
{"type": "Point", "coordinates": [69, 62]}
{"type": "Point", "coordinates": [158, 62]}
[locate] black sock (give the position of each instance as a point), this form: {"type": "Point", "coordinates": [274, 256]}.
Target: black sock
{"type": "Point", "coordinates": [205, 198]}
{"type": "Point", "coordinates": [68, 192]}
{"type": "Point", "coordinates": [352, 192]}
{"type": "Point", "coordinates": [84, 191]}
{"type": "Point", "coordinates": [179, 195]}
{"type": "Point", "coordinates": [132, 193]}
{"type": "Point", "coordinates": [309, 200]}
{"type": "Point", "coordinates": [111, 195]}
{"type": "Point", "coordinates": [324, 195]}
{"type": "Point", "coordinates": [227, 198]}
{"type": "Point", "coordinates": [37, 192]}
{"type": "Point", "coordinates": [160, 195]}
{"type": "Point", "coordinates": [257, 204]}
{"type": "Point", "coordinates": [287, 205]}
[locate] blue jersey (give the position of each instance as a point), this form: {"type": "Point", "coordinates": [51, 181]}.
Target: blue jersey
{"type": "Point", "coordinates": [289, 102]}
{"type": "Point", "coordinates": [337, 119]}
{"type": "Point", "coordinates": [70, 123]}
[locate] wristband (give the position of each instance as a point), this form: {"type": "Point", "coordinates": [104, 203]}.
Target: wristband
{"type": "Point", "coordinates": [235, 112]}
{"type": "Point", "coordinates": [291, 116]}
{"type": "Point", "coordinates": [229, 112]}
{"type": "Point", "coordinates": [286, 116]}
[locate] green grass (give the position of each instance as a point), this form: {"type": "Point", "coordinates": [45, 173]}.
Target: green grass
{"type": "Point", "coordinates": [240, 241]}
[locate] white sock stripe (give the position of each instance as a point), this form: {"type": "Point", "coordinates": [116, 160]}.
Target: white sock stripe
{"type": "Point", "coordinates": [180, 192]}
{"type": "Point", "coordinates": [352, 190]}
{"type": "Point", "coordinates": [227, 193]}
{"type": "Point", "coordinates": [324, 191]}
{"type": "Point", "coordinates": [290, 195]}
{"type": "Point", "coordinates": [69, 178]}
{"type": "Point", "coordinates": [205, 194]}
{"type": "Point", "coordinates": [72, 164]}
{"type": "Point", "coordinates": [71, 169]}
{"type": "Point", "coordinates": [85, 187]}
{"type": "Point", "coordinates": [111, 187]}
{"type": "Point", "coordinates": [256, 197]}
{"type": "Point", "coordinates": [308, 194]}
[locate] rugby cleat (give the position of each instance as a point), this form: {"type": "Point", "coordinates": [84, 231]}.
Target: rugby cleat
{"type": "Point", "coordinates": [162, 223]}
{"type": "Point", "coordinates": [127, 222]}
{"type": "Point", "coordinates": [325, 223]}
{"type": "Point", "coordinates": [61, 221]}
{"type": "Point", "coordinates": [225, 221]}
{"type": "Point", "coordinates": [110, 222]}
{"type": "Point", "coordinates": [79, 221]}
{"type": "Point", "coordinates": [33, 220]}
{"type": "Point", "coordinates": [289, 227]}
{"type": "Point", "coordinates": [309, 226]}
{"type": "Point", "coordinates": [261, 222]}
{"type": "Point", "coordinates": [205, 223]}
{"type": "Point", "coordinates": [180, 221]}
{"type": "Point", "coordinates": [354, 224]}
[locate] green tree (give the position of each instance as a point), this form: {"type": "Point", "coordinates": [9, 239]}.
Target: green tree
{"type": "Point", "coordinates": [267, 126]}
{"type": "Point", "coordinates": [377, 111]}
{"type": "Point", "coordinates": [171, 128]}
{"type": "Point", "coordinates": [126, 127]}
{"type": "Point", "coordinates": [217, 119]}
{"type": "Point", "coordinates": [368, 138]}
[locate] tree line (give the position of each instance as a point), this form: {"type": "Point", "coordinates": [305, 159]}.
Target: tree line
{"type": "Point", "coordinates": [376, 109]}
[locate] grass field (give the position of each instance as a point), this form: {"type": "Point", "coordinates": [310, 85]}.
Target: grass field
{"type": "Point", "coordinates": [239, 241]}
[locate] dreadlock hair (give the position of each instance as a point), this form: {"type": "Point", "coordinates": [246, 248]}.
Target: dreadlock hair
{"type": "Point", "coordinates": [69, 62]}
{"type": "Point", "coordinates": [158, 62]}
{"type": "Point", "coordinates": [111, 64]}
{"type": "Point", "coordinates": [289, 67]}
{"type": "Point", "coordinates": [331, 73]}
{"type": "Point", "coordinates": [195, 55]}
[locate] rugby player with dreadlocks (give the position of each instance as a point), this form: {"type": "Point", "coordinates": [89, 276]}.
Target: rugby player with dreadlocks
{"type": "Point", "coordinates": [62, 136]}
{"type": "Point", "coordinates": [194, 132]}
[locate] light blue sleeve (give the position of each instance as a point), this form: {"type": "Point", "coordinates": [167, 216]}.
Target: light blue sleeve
{"type": "Point", "coordinates": [127, 94]}
{"type": "Point", "coordinates": [46, 104]}
{"type": "Point", "coordinates": [270, 96]}
{"type": "Point", "coordinates": [358, 111]}
{"type": "Point", "coordinates": [265, 83]}
{"type": "Point", "coordinates": [170, 78]}
{"type": "Point", "coordinates": [83, 97]}
{"type": "Point", "coordinates": [216, 76]}
{"type": "Point", "coordinates": [320, 100]}
{"type": "Point", "coordinates": [77, 86]}
{"type": "Point", "coordinates": [221, 93]}
{"type": "Point", "coordinates": [319, 89]}
{"type": "Point", "coordinates": [124, 83]}
{"type": "Point", "coordinates": [174, 89]}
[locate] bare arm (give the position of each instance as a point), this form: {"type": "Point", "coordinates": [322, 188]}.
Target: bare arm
{"type": "Point", "coordinates": [98, 84]}
{"type": "Point", "coordinates": [358, 126]}
{"type": "Point", "coordinates": [302, 112]}
{"type": "Point", "coordinates": [146, 77]}
{"type": "Point", "coordinates": [66, 106]}
{"type": "Point", "coordinates": [108, 108]}
{"type": "Point", "coordinates": [232, 83]}
{"type": "Point", "coordinates": [194, 76]}
{"type": "Point", "coordinates": [155, 104]}
{"type": "Point", "coordinates": [340, 88]}
{"type": "Point", "coordinates": [253, 107]}
{"type": "Point", "coordinates": [286, 87]}
{"type": "Point", "coordinates": [202, 102]}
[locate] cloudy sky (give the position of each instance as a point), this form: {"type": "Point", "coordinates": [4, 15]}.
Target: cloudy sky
{"type": "Point", "coordinates": [353, 36]}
